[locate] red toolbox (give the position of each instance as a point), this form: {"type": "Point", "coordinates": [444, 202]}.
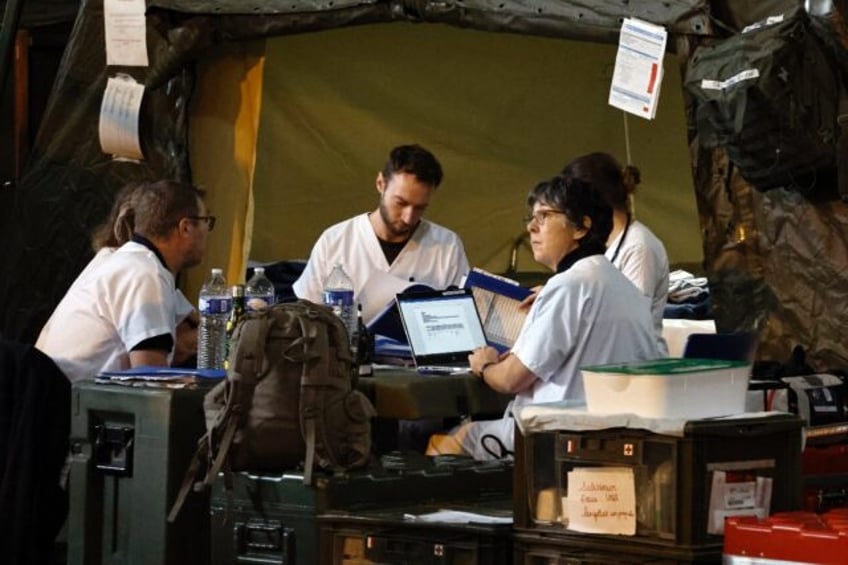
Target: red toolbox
{"type": "Point", "coordinates": [801, 537]}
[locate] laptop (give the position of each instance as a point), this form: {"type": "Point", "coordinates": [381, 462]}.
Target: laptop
{"type": "Point", "coordinates": [442, 328]}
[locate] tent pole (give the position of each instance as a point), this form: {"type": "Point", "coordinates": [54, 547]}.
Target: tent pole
{"type": "Point", "coordinates": [11, 17]}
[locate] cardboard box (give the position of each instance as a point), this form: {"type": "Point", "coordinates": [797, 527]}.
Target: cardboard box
{"type": "Point", "coordinates": [668, 388]}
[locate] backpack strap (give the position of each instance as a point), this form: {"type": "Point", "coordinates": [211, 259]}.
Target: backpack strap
{"type": "Point", "coordinates": [251, 361]}
{"type": "Point", "coordinates": [201, 455]}
{"type": "Point", "coordinates": [234, 412]}
{"type": "Point", "coordinates": [314, 387]}
{"type": "Point", "coordinates": [308, 410]}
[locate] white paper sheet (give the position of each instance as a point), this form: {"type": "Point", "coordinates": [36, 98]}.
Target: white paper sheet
{"type": "Point", "coordinates": [737, 493]}
{"type": "Point", "coordinates": [125, 32]}
{"type": "Point", "coordinates": [638, 70]}
{"type": "Point", "coordinates": [118, 129]}
{"type": "Point", "coordinates": [458, 517]}
{"type": "Point", "coordinates": [378, 294]}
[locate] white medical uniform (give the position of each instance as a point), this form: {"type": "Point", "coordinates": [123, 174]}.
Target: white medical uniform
{"type": "Point", "coordinates": [590, 314]}
{"type": "Point", "coordinates": [434, 256]}
{"type": "Point", "coordinates": [184, 307]}
{"type": "Point", "coordinates": [119, 300]}
{"type": "Point", "coordinates": [643, 260]}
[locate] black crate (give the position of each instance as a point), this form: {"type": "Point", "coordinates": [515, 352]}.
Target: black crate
{"type": "Point", "coordinates": [130, 448]}
{"type": "Point", "coordinates": [541, 549]}
{"type": "Point", "coordinates": [389, 537]}
{"type": "Point", "coordinates": [273, 519]}
{"type": "Point", "coordinates": [673, 475]}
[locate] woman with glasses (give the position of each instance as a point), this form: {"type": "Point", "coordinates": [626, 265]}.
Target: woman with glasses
{"type": "Point", "coordinates": [588, 313]}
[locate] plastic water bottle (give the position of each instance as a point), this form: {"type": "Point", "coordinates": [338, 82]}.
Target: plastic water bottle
{"type": "Point", "coordinates": [259, 291]}
{"type": "Point", "coordinates": [214, 308]}
{"type": "Point", "coordinates": [338, 295]}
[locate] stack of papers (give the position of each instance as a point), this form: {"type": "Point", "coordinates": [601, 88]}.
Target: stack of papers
{"type": "Point", "coordinates": [458, 517]}
{"type": "Point", "coordinates": [161, 377]}
{"type": "Point", "coordinates": [498, 301]}
{"type": "Point", "coordinates": [388, 351]}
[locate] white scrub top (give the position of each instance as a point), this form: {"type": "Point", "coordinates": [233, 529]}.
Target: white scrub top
{"type": "Point", "coordinates": [643, 260]}
{"type": "Point", "coordinates": [590, 314]}
{"type": "Point", "coordinates": [119, 300]}
{"type": "Point", "coordinates": [434, 256]}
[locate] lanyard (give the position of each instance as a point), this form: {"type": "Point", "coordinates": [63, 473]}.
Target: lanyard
{"type": "Point", "coordinates": [621, 240]}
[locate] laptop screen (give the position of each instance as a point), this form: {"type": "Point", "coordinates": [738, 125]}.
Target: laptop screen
{"type": "Point", "coordinates": [442, 326]}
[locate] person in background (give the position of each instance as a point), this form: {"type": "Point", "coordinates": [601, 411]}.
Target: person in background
{"type": "Point", "coordinates": [588, 313]}
{"type": "Point", "coordinates": [631, 246]}
{"type": "Point", "coordinates": [122, 310]}
{"type": "Point", "coordinates": [394, 238]}
{"type": "Point", "coordinates": [115, 231]}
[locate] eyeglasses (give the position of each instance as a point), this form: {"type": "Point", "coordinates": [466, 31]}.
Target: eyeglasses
{"type": "Point", "coordinates": [541, 216]}
{"type": "Point", "coordinates": [210, 220]}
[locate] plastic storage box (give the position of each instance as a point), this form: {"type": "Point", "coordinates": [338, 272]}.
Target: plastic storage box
{"type": "Point", "coordinates": [668, 388]}
{"type": "Point", "coordinates": [539, 549]}
{"type": "Point", "coordinates": [673, 478]}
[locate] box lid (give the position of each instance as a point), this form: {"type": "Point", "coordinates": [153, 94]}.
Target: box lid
{"type": "Point", "coordinates": [666, 367]}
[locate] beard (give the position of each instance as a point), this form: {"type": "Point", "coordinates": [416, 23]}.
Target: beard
{"type": "Point", "coordinates": [398, 229]}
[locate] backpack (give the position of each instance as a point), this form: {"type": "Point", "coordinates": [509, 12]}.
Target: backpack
{"type": "Point", "coordinates": [771, 96]}
{"type": "Point", "coordinates": [288, 399]}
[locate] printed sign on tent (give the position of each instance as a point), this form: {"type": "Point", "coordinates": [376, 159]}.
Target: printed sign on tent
{"type": "Point", "coordinates": [125, 28]}
{"type": "Point", "coordinates": [638, 72]}
{"type": "Point", "coordinates": [119, 112]}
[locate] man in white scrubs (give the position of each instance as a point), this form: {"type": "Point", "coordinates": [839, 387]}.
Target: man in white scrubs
{"type": "Point", "coordinates": [121, 311]}
{"type": "Point", "coordinates": [116, 230]}
{"type": "Point", "coordinates": [394, 238]}
{"type": "Point", "coordinates": [588, 313]}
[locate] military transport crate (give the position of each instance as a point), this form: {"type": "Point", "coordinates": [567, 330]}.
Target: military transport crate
{"type": "Point", "coordinates": [406, 536]}
{"type": "Point", "coordinates": [130, 448]}
{"type": "Point", "coordinates": [273, 519]}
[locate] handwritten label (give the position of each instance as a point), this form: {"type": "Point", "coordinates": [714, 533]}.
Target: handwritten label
{"type": "Point", "coordinates": [602, 500]}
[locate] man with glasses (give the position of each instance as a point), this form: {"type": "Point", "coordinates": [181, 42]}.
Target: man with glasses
{"type": "Point", "coordinates": [588, 313]}
{"type": "Point", "coordinates": [395, 238]}
{"type": "Point", "coordinates": [121, 311]}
